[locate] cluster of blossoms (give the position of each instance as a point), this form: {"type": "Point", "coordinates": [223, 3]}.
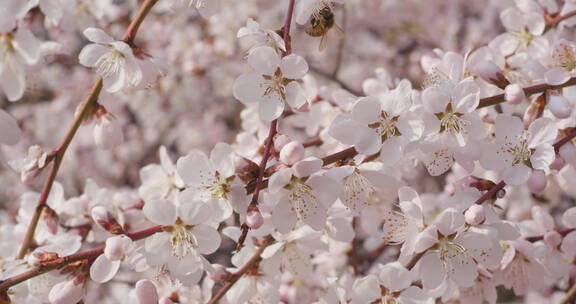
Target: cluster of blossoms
{"type": "Point", "coordinates": [447, 178]}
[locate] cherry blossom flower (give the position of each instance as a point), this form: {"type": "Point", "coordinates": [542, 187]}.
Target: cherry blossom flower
{"type": "Point", "coordinates": [17, 50]}
{"type": "Point", "coordinates": [563, 62]}
{"type": "Point", "coordinates": [261, 36]}
{"type": "Point", "coordinates": [177, 251]}
{"type": "Point", "coordinates": [516, 151]}
{"type": "Point", "coordinates": [273, 82]}
{"type": "Point", "coordinates": [160, 180]}
{"type": "Point", "coordinates": [383, 123]}
{"type": "Point", "coordinates": [212, 180]}
{"type": "Point", "coordinates": [520, 268]}
{"type": "Point", "coordinates": [113, 60]}
{"type": "Point", "coordinates": [304, 195]}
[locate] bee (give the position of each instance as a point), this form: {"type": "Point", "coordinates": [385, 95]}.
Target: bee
{"type": "Point", "coordinates": [321, 24]}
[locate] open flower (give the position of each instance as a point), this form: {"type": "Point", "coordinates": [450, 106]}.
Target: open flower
{"type": "Point", "coordinates": [178, 249]}
{"type": "Point", "coordinates": [303, 196]}
{"type": "Point", "coordinates": [563, 62]}
{"type": "Point", "coordinates": [212, 180]}
{"type": "Point", "coordinates": [382, 122]}
{"type": "Point", "coordinates": [516, 151]}
{"type": "Point", "coordinates": [17, 50]}
{"type": "Point", "coordinates": [113, 60]}
{"type": "Point", "coordinates": [525, 26]}
{"type": "Point", "coordinates": [273, 82]}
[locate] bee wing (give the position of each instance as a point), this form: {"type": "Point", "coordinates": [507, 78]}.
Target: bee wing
{"type": "Point", "coordinates": [323, 42]}
{"type": "Point", "coordinates": [338, 30]}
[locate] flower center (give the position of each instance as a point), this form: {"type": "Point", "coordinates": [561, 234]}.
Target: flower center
{"type": "Point", "coordinates": [182, 240]}
{"type": "Point", "coordinates": [449, 250]}
{"type": "Point", "coordinates": [564, 57]}
{"type": "Point", "coordinates": [386, 127]}
{"type": "Point", "coordinates": [523, 38]}
{"type": "Point", "coordinates": [275, 85]}
{"type": "Point", "coordinates": [355, 185]}
{"type": "Point", "coordinates": [110, 63]}
{"type": "Point", "coordinates": [301, 196]}
{"type": "Point", "coordinates": [6, 48]}
{"type": "Point", "coordinates": [451, 122]}
{"type": "Point", "coordinates": [520, 151]}
{"type": "Point", "coordinates": [220, 187]}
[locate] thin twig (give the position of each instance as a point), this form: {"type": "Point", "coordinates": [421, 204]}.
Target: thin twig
{"type": "Point", "coordinates": [269, 140]}
{"type": "Point", "coordinates": [61, 150]}
{"type": "Point", "coordinates": [63, 261]}
{"type": "Point", "coordinates": [238, 274]}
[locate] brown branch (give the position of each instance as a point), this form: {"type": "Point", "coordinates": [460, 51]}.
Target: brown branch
{"type": "Point", "coordinates": [59, 152]}
{"type": "Point", "coordinates": [570, 296]}
{"type": "Point", "coordinates": [254, 260]}
{"type": "Point", "coordinates": [269, 140]}
{"type": "Point", "coordinates": [539, 88]}
{"type": "Point", "coordinates": [553, 22]}
{"type": "Point", "coordinates": [63, 261]}
{"type": "Point", "coordinates": [562, 232]}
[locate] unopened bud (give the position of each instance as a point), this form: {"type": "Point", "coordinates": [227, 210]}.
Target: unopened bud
{"type": "Point", "coordinates": [146, 292]}
{"type": "Point", "coordinates": [280, 141]}
{"type": "Point", "coordinates": [105, 220]}
{"type": "Point", "coordinates": [534, 110]}
{"type": "Point", "coordinates": [475, 215]}
{"type": "Point", "coordinates": [107, 133]}
{"type": "Point", "coordinates": [537, 181]}
{"type": "Point", "coordinates": [558, 163]}
{"type": "Point", "coordinates": [490, 72]}
{"type": "Point", "coordinates": [220, 273]}
{"type": "Point", "coordinates": [514, 94]}
{"type": "Point", "coordinates": [292, 153]}
{"type": "Point", "coordinates": [40, 256]}
{"type": "Point", "coordinates": [254, 219]}
{"type": "Point", "coordinates": [66, 292]}
{"type": "Point", "coordinates": [116, 247]}
{"type": "Point", "coordinates": [552, 238]}
{"type": "Point", "coordinates": [245, 169]}
{"type": "Point", "coordinates": [50, 219]}
{"type": "Point", "coordinates": [560, 106]}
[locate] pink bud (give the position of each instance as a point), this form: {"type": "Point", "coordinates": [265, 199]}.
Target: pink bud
{"type": "Point", "coordinates": [490, 72]}
{"type": "Point", "coordinates": [66, 292]}
{"type": "Point", "coordinates": [560, 106]}
{"type": "Point", "coordinates": [537, 181]}
{"type": "Point", "coordinates": [292, 153]}
{"type": "Point", "coordinates": [40, 256]}
{"type": "Point", "coordinates": [514, 94]}
{"type": "Point", "coordinates": [552, 238]}
{"type": "Point", "coordinates": [146, 292]}
{"type": "Point", "coordinates": [116, 247]}
{"type": "Point", "coordinates": [220, 273]}
{"type": "Point", "coordinates": [475, 215]}
{"type": "Point", "coordinates": [558, 163]}
{"type": "Point", "coordinates": [254, 219]}
{"type": "Point", "coordinates": [103, 218]}
{"type": "Point", "coordinates": [107, 133]}
{"type": "Point", "coordinates": [280, 141]}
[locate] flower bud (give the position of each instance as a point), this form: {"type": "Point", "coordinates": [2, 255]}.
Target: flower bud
{"type": "Point", "coordinates": [220, 273]}
{"type": "Point", "coordinates": [537, 181]}
{"type": "Point", "coordinates": [66, 292]}
{"type": "Point", "coordinates": [105, 220]}
{"type": "Point", "coordinates": [146, 292]}
{"type": "Point", "coordinates": [552, 238]}
{"type": "Point", "coordinates": [40, 256]}
{"type": "Point", "coordinates": [107, 133]}
{"type": "Point", "coordinates": [245, 169]}
{"type": "Point", "coordinates": [116, 247]}
{"type": "Point", "coordinates": [514, 94]}
{"type": "Point", "coordinates": [490, 72]}
{"type": "Point", "coordinates": [560, 106]}
{"type": "Point", "coordinates": [254, 219]}
{"type": "Point", "coordinates": [280, 141]}
{"type": "Point", "coordinates": [292, 153]}
{"type": "Point", "coordinates": [475, 215]}
{"type": "Point", "coordinates": [534, 110]}
{"type": "Point", "coordinates": [558, 163]}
